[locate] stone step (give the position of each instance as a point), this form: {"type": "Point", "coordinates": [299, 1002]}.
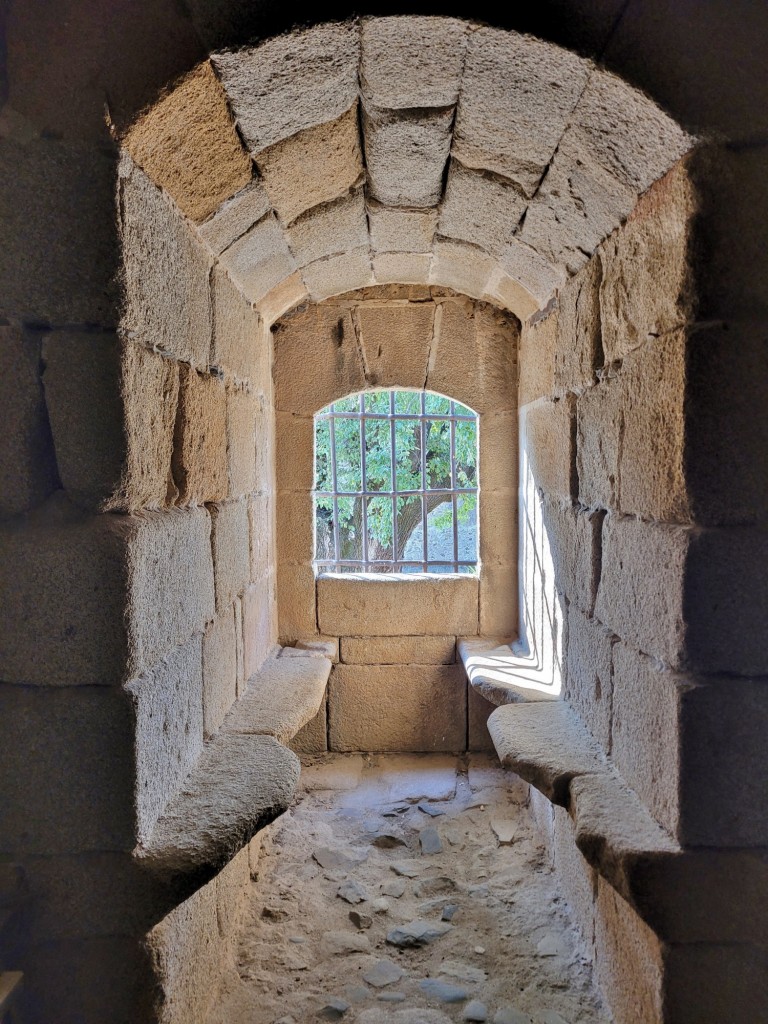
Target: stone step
{"type": "Point", "coordinates": [281, 697]}
{"type": "Point", "coordinates": [502, 673]}
{"type": "Point", "coordinates": [547, 744]}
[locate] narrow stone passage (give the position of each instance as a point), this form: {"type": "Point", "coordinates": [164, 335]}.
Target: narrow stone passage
{"type": "Point", "coordinates": [411, 889]}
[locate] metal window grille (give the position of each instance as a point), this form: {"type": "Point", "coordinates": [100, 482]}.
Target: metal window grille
{"type": "Point", "coordinates": [351, 547]}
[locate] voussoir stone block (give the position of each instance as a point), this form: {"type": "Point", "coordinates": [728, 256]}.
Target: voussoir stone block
{"type": "Point", "coordinates": [260, 259]}
{"type": "Point", "coordinates": [235, 216]}
{"type": "Point", "coordinates": [338, 274]}
{"type": "Point", "coordinates": [475, 360]}
{"type": "Point", "coordinates": [398, 650]}
{"type": "Point", "coordinates": [240, 344]}
{"type": "Point", "coordinates": [168, 708]}
{"type": "Point", "coordinates": [28, 472]}
{"type": "Point", "coordinates": [465, 268]}
{"type": "Point", "coordinates": [481, 208]}
{"type": "Point", "coordinates": [405, 155]}
{"type": "Point", "coordinates": [537, 273]}
{"type": "Point", "coordinates": [578, 353]}
{"type": "Point", "coordinates": [230, 538]}
{"type": "Point", "coordinates": [396, 342]}
{"type": "Point", "coordinates": [401, 231]}
{"type": "Point", "coordinates": [388, 707]}
{"type": "Point", "coordinates": [331, 228]}
{"type": "Point", "coordinates": [409, 62]}
{"type": "Point", "coordinates": [305, 385]}
{"type": "Point", "coordinates": [200, 448]}
{"type": "Point", "coordinates": [517, 95]}
{"type": "Point", "coordinates": [188, 145]}
{"type": "Point", "coordinates": [647, 286]}
{"type": "Point", "coordinates": [640, 595]}
{"type": "Point", "coordinates": [167, 302]}
{"type": "Point", "coordinates": [149, 389]}
{"type": "Point", "coordinates": [401, 267]}
{"type": "Point", "coordinates": [82, 392]}
{"type": "Point", "coordinates": [219, 670]}
{"type": "Point", "coordinates": [291, 82]}
{"type": "Point", "coordinates": [549, 442]}
{"type": "Point", "coordinates": [503, 290]}
{"type": "Point", "coordinates": [354, 605]}
{"type": "Point", "coordinates": [291, 169]}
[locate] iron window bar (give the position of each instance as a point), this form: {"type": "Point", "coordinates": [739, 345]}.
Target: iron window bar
{"type": "Point", "coordinates": [453, 493]}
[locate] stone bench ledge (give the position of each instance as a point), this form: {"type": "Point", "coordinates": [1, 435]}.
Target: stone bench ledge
{"type": "Point", "coordinates": [547, 744]}
{"type": "Point", "coordinates": [504, 674]}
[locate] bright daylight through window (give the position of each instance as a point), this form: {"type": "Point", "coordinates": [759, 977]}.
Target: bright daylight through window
{"type": "Point", "coordinates": [396, 484]}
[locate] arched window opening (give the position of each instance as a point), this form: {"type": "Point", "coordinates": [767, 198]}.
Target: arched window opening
{"type": "Point", "coordinates": [396, 484]}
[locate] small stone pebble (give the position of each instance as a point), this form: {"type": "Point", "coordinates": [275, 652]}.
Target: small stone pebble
{"type": "Point", "coordinates": [391, 997]}
{"type": "Point", "coordinates": [361, 921]}
{"type": "Point", "coordinates": [388, 841]}
{"type": "Point", "coordinates": [416, 933]}
{"type": "Point", "coordinates": [383, 973]}
{"type": "Point", "coordinates": [297, 939]}
{"type": "Point", "coordinates": [430, 809]}
{"type": "Point", "coordinates": [434, 886]}
{"type": "Point", "coordinates": [479, 949]}
{"type": "Point", "coordinates": [401, 867]}
{"type": "Point", "coordinates": [434, 988]}
{"type": "Point", "coordinates": [395, 888]}
{"type": "Point", "coordinates": [448, 911]}
{"type": "Point", "coordinates": [273, 914]}
{"type": "Point", "coordinates": [352, 892]}
{"type": "Point", "coordinates": [380, 906]}
{"type": "Point", "coordinates": [509, 1015]}
{"type": "Point", "coordinates": [357, 993]}
{"type": "Point", "coordinates": [476, 1011]}
{"type": "Point", "coordinates": [430, 841]}
{"type": "Point", "coordinates": [335, 1008]}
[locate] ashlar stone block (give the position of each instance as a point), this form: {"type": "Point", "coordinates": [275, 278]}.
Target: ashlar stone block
{"type": "Point", "coordinates": [549, 428]}
{"type": "Point", "coordinates": [331, 228]}
{"type": "Point", "coordinates": [538, 351]}
{"type": "Point", "coordinates": [219, 670]}
{"type": "Point", "coordinates": [259, 624]}
{"type": "Point", "coordinates": [338, 274]}
{"type": "Point", "coordinates": [406, 154]}
{"type": "Point", "coordinates": [259, 260]}
{"type": "Point", "coordinates": [589, 675]}
{"type": "Point", "coordinates": [517, 96]}
{"type": "Point", "coordinates": [291, 82]}
{"type": "Point", "coordinates": [403, 231]}
{"type": "Point", "coordinates": [402, 268]}
{"type": "Point", "coordinates": [416, 707]}
{"type": "Point", "coordinates": [503, 290]}
{"type": "Point", "coordinates": [200, 439]}
{"type": "Point", "coordinates": [396, 343]}
{"type": "Point", "coordinates": [240, 343]}
{"type": "Point", "coordinates": [573, 535]}
{"type": "Point", "coordinates": [579, 353]}
{"type": "Point", "coordinates": [412, 62]}
{"type": "Point", "coordinates": [290, 168]}
{"type": "Point", "coordinates": [188, 145]}
{"type": "Point", "coordinates": [480, 208]}
{"type": "Point", "coordinates": [231, 551]}
{"type": "Point", "coordinates": [465, 268]}
{"type": "Point", "coordinates": [235, 216]}
{"type": "Point", "coordinates": [165, 271]}
{"type": "Point", "coordinates": [534, 271]}
{"type": "Point", "coordinates": [242, 410]}
{"type": "Point", "coordinates": [398, 650]}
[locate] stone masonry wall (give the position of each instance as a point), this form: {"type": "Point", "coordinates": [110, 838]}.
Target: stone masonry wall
{"type": "Point", "coordinates": [411, 695]}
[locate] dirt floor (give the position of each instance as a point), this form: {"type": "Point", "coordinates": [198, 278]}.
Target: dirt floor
{"type": "Point", "coordinates": [408, 889]}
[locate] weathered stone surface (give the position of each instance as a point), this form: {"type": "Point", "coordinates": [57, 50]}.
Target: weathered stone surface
{"type": "Point", "coordinates": [538, 352]}
{"type": "Point", "coordinates": [82, 393]}
{"type": "Point", "coordinates": [480, 208]}
{"type": "Point", "coordinates": [475, 360]}
{"type": "Point", "coordinates": [589, 676]}
{"type": "Point", "coordinates": [305, 385]}
{"type": "Point", "coordinates": [413, 62]}
{"type": "Point", "coordinates": [297, 613]}
{"type": "Point", "coordinates": [517, 96]}
{"type": "Point", "coordinates": [150, 392]}
{"type": "Point", "coordinates": [234, 217]}
{"type": "Point", "coordinates": [295, 527]}
{"type": "Point", "coordinates": [573, 535]}
{"type": "Point", "coordinates": [538, 274]}
{"type": "Point", "coordinates": [640, 596]}
{"type": "Point", "coordinates": [283, 696]}
{"type": "Point", "coordinates": [579, 350]}
{"type": "Point", "coordinates": [165, 270]}
{"type": "Point", "coordinates": [168, 708]}
{"type": "Point", "coordinates": [239, 785]}
{"type": "Point", "coordinates": [240, 343]}
{"type": "Point", "coordinates": [503, 290]}
{"type": "Point", "coordinates": [59, 246]}
{"type": "Point", "coordinates": [243, 409]}
{"type": "Point", "coordinates": [549, 429]}
{"type": "Point", "coordinates": [478, 710]}
{"type": "Point", "coordinates": [170, 583]}
{"type": "Point", "coordinates": [576, 206]}
{"type": "Point", "coordinates": [546, 744]}
{"type": "Point", "coordinates": [219, 670]}
{"type": "Point", "coordinates": [626, 132]}
{"type": "Point", "coordinates": [67, 769]}
{"type": "Point", "coordinates": [398, 650]}
{"type": "Point", "coordinates": [410, 605]}
{"type": "Point", "coordinates": [291, 82]}
{"type": "Point", "coordinates": [500, 674]}
{"type": "Point", "coordinates": [405, 155]}
{"type": "Point", "coordinates": [576, 876]}
{"type": "Point", "coordinates": [396, 342]}
{"type": "Point", "coordinates": [199, 460]}
{"type": "Point", "coordinates": [498, 599]}
{"type": "Point", "coordinates": [188, 145]}
{"type": "Point", "coordinates": [497, 514]}
{"type": "Point", "coordinates": [231, 551]}
{"type": "Point", "coordinates": [313, 737]}
{"type": "Point", "coordinates": [464, 268]}
{"type": "Point", "coordinates": [417, 933]}
{"type": "Point", "coordinates": [383, 973]}
{"type": "Point", "coordinates": [294, 452]}
{"type": "Point", "coordinates": [261, 516]}
{"type": "Point", "coordinates": [28, 472]}
{"type": "Point", "coordinates": [259, 625]}
{"type": "Point", "coordinates": [334, 227]}
{"type": "Point", "coordinates": [282, 298]}
{"type": "Point", "coordinates": [418, 707]}
{"type": "Point", "coordinates": [403, 231]}
{"type": "Point", "coordinates": [401, 268]}
{"type": "Point", "coordinates": [337, 274]}
{"type": "Point", "coordinates": [289, 168]}
{"type": "Point", "coordinates": [260, 259]}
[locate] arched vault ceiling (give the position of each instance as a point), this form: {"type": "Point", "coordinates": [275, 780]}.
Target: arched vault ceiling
{"type": "Point", "coordinates": [404, 149]}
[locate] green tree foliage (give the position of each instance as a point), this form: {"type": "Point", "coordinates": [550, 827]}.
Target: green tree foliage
{"type": "Point", "coordinates": [377, 442]}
